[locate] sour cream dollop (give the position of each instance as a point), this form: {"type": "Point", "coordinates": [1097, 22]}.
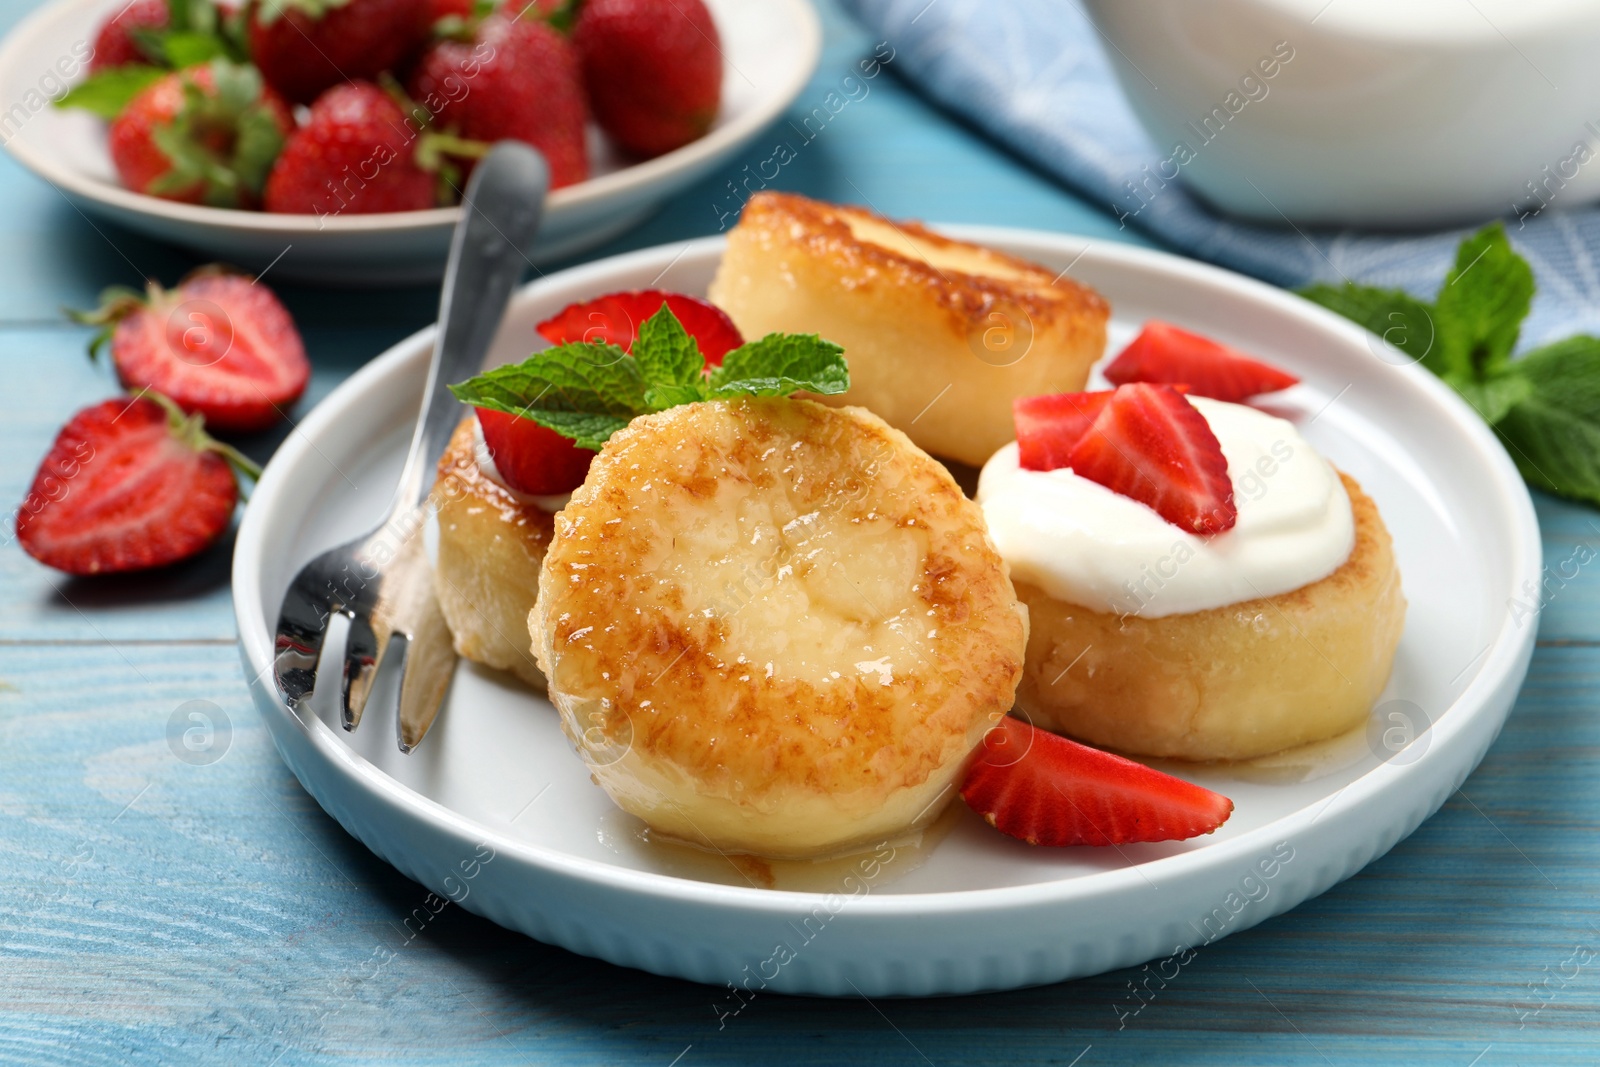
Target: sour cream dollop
{"type": "Point", "coordinates": [1082, 543]}
{"type": "Point", "coordinates": [480, 452]}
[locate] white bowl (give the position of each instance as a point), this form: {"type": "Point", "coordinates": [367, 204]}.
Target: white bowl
{"type": "Point", "coordinates": [1393, 114]}
{"type": "Point", "coordinates": [495, 811]}
{"type": "Point", "coordinates": [770, 50]}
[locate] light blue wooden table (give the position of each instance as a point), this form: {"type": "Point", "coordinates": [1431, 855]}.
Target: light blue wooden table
{"type": "Point", "coordinates": [154, 910]}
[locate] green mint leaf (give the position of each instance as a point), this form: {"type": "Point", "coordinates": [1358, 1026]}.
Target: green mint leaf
{"type": "Point", "coordinates": [1482, 303]}
{"type": "Point", "coordinates": [779, 364]}
{"type": "Point", "coordinates": [584, 428]}
{"type": "Point", "coordinates": [586, 392]}
{"type": "Point", "coordinates": [594, 379]}
{"type": "Point", "coordinates": [1394, 315]}
{"type": "Point", "coordinates": [662, 397]}
{"type": "Point", "coordinates": [1494, 396]}
{"type": "Point", "coordinates": [107, 93]}
{"type": "Point", "coordinates": [666, 353]}
{"type": "Point", "coordinates": [1553, 432]}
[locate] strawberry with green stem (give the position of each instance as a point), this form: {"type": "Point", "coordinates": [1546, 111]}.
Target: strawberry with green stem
{"type": "Point", "coordinates": [116, 42]}
{"type": "Point", "coordinates": [653, 70]}
{"type": "Point", "coordinates": [141, 42]}
{"type": "Point", "coordinates": [219, 345]}
{"type": "Point", "coordinates": [512, 77]}
{"type": "Point", "coordinates": [129, 484]}
{"type": "Point", "coordinates": [360, 152]}
{"type": "Point", "coordinates": [206, 135]}
{"type": "Point", "coordinates": [304, 47]}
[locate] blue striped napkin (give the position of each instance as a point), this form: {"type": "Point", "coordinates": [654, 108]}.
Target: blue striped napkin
{"type": "Point", "coordinates": [1031, 74]}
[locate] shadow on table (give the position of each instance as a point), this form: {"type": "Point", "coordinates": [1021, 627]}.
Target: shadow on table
{"type": "Point", "coordinates": [191, 579]}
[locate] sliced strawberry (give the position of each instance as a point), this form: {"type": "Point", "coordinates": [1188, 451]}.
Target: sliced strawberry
{"type": "Point", "coordinates": [130, 483]}
{"type": "Point", "coordinates": [530, 458]}
{"type": "Point", "coordinates": [1149, 443]}
{"type": "Point", "coordinates": [1046, 790]}
{"type": "Point", "coordinates": [615, 318]}
{"type": "Point", "coordinates": [219, 345]}
{"type": "Point", "coordinates": [1048, 426]}
{"type": "Point", "coordinates": [1163, 353]}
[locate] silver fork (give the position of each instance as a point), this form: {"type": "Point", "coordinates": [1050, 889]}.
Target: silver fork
{"type": "Point", "coordinates": [382, 582]}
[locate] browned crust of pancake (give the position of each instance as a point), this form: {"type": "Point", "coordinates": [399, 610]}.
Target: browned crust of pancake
{"type": "Point", "coordinates": [490, 548]}
{"type": "Point", "coordinates": [673, 678]}
{"type": "Point", "coordinates": [823, 231]}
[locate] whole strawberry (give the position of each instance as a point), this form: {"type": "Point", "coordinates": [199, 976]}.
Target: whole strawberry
{"type": "Point", "coordinates": [517, 78]}
{"type": "Point", "coordinates": [205, 135]}
{"type": "Point", "coordinates": [653, 69]}
{"type": "Point", "coordinates": [129, 483]}
{"type": "Point", "coordinates": [356, 154]}
{"type": "Point", "coordinates": [220, 345]}
{"type": "Point", "coordinates": [114, 45]}
{"type": "Point", "coordinates": [306, 46]}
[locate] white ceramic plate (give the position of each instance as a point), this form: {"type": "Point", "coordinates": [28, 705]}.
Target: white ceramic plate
{"type": "Point", "coordinates": [771, 49]}
{"type": "Point", "coordinates": [496, 779]}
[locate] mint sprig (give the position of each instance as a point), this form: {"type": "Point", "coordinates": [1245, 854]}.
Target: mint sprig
{"type": "Point", "coordinates": [586, 391]}
{"type": "Point", "coordinates": [1544, 405]}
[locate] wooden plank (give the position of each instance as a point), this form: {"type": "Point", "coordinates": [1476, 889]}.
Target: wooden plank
{"type": "Point", "coordinates": [160, 910]}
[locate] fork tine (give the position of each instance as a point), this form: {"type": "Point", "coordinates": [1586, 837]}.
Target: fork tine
{"type": "Point", "coordinates": [383, 692]}
{"type": "Point", "coordinates": [302, 627]}
{"type": "Point", "coordinates": [430, 667]}
{"type": "Point", "coordinates": [362, 652]}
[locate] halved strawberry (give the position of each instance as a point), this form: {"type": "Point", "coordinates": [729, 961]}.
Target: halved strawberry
{"type": "Point", "coordinates": [530, 458]}
{"type": "Point", "coordinates": [1046, 790]}
{"type": "Point", "coordinates": [616, 317]}
{"type": "Point", "coordinates": [130, 483]}
{"type": "Point", "coordinates": [1164, 353]}
{"type": "Point", "coordinates": [219, 345]}
{"type": "Point", "coordinates": [1048, 426]}
{"type": "Point", "coordinates": [1149, 443]}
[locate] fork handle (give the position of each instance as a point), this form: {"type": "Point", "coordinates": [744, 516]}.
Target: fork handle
{"type": "Point", "coordinates": [500, 213]}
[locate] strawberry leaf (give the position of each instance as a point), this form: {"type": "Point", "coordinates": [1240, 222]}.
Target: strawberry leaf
{"type": "Point", "coordinates": [109, 92]}
{"type": "Point", "coordinates": [270, 11]}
